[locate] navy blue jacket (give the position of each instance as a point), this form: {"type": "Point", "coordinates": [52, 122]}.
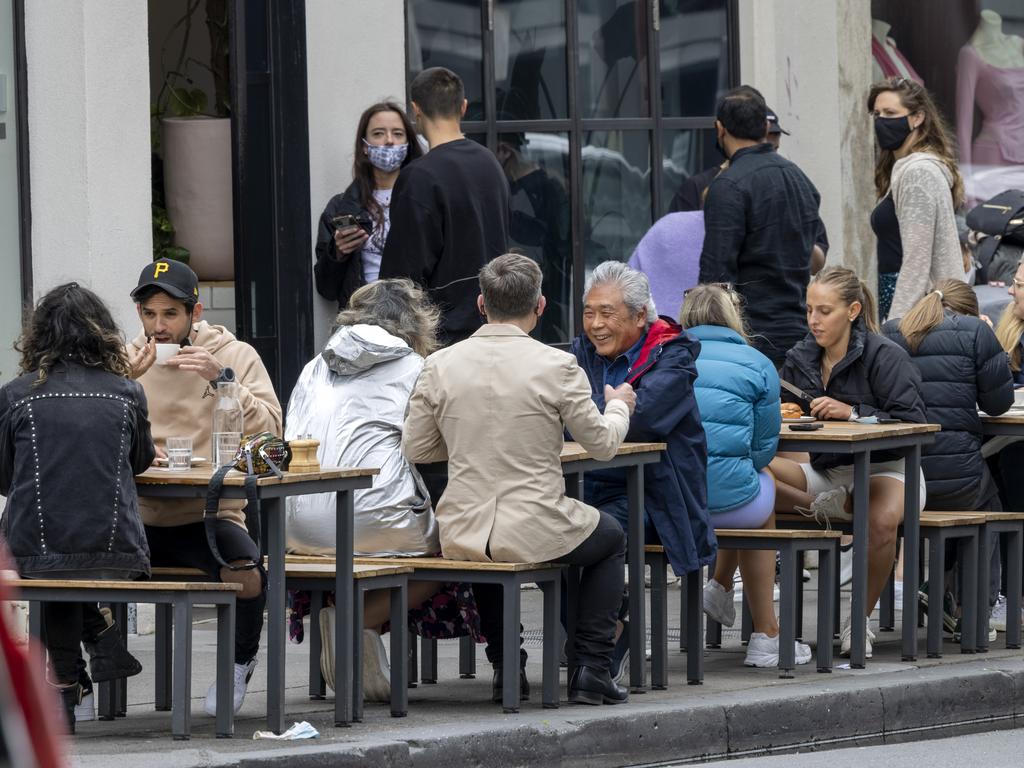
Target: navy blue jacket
{"type": "Point", "coordinates": [675, 489]}
{"type": "Point", "coordinates": [876, 376]}
{"type": "Point", "coordinates": [962, 368]}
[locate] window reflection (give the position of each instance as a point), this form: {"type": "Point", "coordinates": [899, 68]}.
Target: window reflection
{"type": "Point", "coordinates": [616, 194]}
{"type": "Point", "coordinates": [529, 59]}
{"type": "Point", "coordinates": [446, 33]}
{"type": "Point", "coordinates": [537, 167]}
{"type": "Point", "coordinates": [693, 56]}
{"type": "Point", "coordinates": [613, 58]}
{"type": "Point", "coordinates": [686, 154]}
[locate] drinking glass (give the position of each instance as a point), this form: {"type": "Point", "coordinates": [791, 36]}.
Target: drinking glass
{"type": "Point", "coordinates": [179, 453]}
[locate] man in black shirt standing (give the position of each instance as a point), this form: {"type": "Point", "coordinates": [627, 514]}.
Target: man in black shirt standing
{"type": "Point", "coordinates": [449, 209]}
{"type": "Point", "coordinates": [761, 222]}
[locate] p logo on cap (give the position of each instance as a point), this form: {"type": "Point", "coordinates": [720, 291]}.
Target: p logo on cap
{"type": "Point", "coordinates": [159, 269]}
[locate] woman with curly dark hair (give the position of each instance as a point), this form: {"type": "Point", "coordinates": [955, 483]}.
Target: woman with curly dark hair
{"type": "Point", "coordinates": [74, 430]}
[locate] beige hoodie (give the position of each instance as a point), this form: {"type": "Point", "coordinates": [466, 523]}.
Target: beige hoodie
{"type": "Point", "coordinates": [181, 405]}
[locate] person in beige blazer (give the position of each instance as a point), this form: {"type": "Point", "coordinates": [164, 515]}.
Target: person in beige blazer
{"type": "Point", "coordinates": [495, 406]}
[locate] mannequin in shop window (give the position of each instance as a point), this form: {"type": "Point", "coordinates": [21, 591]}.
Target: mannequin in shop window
{"type": "Point", "coordinates": [990, 76]}
{"type": "Point", "coordinates": [887, 60]}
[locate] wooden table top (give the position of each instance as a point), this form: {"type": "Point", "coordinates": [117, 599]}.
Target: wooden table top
{"type": "Point", "coordinates": [202, 475]}
{"type": "Point", "coordinates": [1015, 417]}
{"type": "Point", "coordinates": [851, 431]}
{"type": "Point", "coordinates": [576, 452]}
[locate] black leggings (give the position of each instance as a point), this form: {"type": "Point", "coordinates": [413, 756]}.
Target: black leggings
{"type": "Point", "coordinates": [65, 626]}
{"type": "Point", "coordinates": [184, 546]}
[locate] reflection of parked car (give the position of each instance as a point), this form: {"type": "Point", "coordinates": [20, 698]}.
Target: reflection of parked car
{"type": "Point", "coordinates": [28, 709]}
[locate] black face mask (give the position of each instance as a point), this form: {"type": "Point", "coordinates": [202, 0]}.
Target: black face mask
{"type": "Point", "coordinates": [892, 131]}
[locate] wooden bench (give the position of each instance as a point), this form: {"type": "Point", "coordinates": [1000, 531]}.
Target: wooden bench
{"type": "Point", "coordinates": [511, 576]}
{"type": "Point", "coordinates": [790, 544]}
{"type": "Point", "coordinates": [178, 598]}
{"type": "Point", "coordinates": [316, 575]}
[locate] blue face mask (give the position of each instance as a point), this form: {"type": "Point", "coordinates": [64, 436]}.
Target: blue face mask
{"type": "Point", "coordinates": [386, 158]}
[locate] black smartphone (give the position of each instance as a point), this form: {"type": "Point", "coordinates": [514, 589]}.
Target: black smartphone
{"type": "Point", "coordinates": [344, 220]}
{"type": "Point", "coordinates": [889, 421]}
{"type": "Point", "coordinates": [810, 427]}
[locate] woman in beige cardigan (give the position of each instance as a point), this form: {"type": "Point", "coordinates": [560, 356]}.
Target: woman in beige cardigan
{"type": "Point", "coordinates": [919, 189]}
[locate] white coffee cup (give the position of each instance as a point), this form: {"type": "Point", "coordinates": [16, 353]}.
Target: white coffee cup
{"type": "Point", "coordinates": [166, 351]}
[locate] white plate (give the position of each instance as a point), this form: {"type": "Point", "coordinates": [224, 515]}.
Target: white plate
{"type": "Point", "coordinates": [799, 418]}
{"type": "Point", "coordinates": [196, 460]}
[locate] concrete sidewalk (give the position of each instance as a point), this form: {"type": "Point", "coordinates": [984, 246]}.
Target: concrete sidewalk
{"type": "Point", "coordinates": [737, 711]}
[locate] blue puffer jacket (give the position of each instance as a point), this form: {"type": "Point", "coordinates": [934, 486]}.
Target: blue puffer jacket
{"type": "Point", "coordinates": [675, 489]}
{"type": "Point", "coordinates": [738, 395]}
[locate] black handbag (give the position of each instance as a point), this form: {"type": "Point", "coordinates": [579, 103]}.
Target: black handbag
{"type": "Point", "coordinates": [1001, 217]}
{"type": "Point", "coordinates": [259, 455]}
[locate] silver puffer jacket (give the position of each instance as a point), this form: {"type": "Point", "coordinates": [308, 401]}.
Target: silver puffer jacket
{"type": "Point", "coordinates": [352, 398]}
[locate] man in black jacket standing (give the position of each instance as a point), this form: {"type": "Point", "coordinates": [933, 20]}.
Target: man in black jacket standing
{"type": "Point", "coordinates": [761, 221]}
{"type": "Point", "coordinates": [450, 208]}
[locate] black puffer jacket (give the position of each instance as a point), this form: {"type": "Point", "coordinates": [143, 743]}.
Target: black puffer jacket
{"type": "Point", "coordinates": [336, 275]}
{"type": "Point", "coordinates": [69, 452]}
{"type": "Point", "coordinates": [876, 376]}
{"type": "Point", "coordinates": [962, 368]}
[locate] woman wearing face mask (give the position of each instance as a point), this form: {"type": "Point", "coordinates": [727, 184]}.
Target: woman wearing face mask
{"type": "Point", "coordinates": [852, 372]}
{"type": "Point", "coordinates": [919, 189]}
{"type": "Point", "coordinates": [348, 250]}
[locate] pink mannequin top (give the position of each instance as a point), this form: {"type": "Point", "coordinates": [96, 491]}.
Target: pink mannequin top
{"type": "Point", "coordinates": [891, 61]}
{"type": "Point", "coordinates": [999, 94]}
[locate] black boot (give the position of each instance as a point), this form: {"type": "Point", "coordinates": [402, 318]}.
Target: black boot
{"type": "Point", "coordinates": [499, 679]}
{"type": "Point", "coordinates": [595, 686]}
{"type": "Point", "coordinates": [108, 657]}
{"type": "Point", "coordinates": [70, 697]}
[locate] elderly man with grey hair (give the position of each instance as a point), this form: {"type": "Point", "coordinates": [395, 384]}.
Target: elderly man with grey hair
{"type": "Point", "coordinates": [495, 406]}
{"type": "Point", "coordinates": [625, 341]}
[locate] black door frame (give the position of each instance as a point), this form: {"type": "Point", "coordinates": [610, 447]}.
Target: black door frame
{"type": "Point", "coordinates": [270, 159]}
{"type": "Point", "coordinates": [21, 131]}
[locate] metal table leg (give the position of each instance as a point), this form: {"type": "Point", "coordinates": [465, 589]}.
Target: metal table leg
{"type": "Point", "coordinates": [273, 511]}
{"type": "Point", "coordinates": [343, 610]}
{"type": "Point", "coordinates": [911, 550]}
{"type": "Point", "coordinates": [858, 607]}
{"type": "Point", "coordinates": [637, 608]}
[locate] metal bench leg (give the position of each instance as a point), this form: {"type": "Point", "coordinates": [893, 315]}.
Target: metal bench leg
{"type": "Point", "coordinates": [35, 629]}
{"type": "Point", "coordinates": [552, 597]}
{"type": "Point", "coordinates": [162, 656]}
{"type": "Point", "coordinates": [683, 609]}
{"type": "Point", "coordinates": [800, 561]}
{"type": "Point", "coordinates": [982, 614]}
{"type": "Point", "coordinates": [413, 672]}
{"type": "Point", "coordinates": [1015, 553]}
{"type": "Point", "coordinates": [827, 608]}
{"type": "Point", "coordinates": [694, 588]}
{"type": "Point", "coordinates": [969, 608]}
{"type": "Point", "coordinates": [119, 613]}
{"type": "Point", "coordinates": [936, 592]}
{"type": "Point", "coordinates": [467, 657]}
{"type": "Point", "coordinates": [317, 685]}
{"type": "Point", "coordinates": [428, 660]}
{"type": "Point", "coordinates": [358, 604]}
{"type": "Point", "coordinates": [746, 621]}
{"type": "Point", "coordinates": [510, 646]}
{"type": "Point", "coordinates": [181, 709]}
{"type": "Point", "coordinates": [787, 611]}
{"type": "Point", "coordinates": [659, 621]}
{"type": "Point", "coordinates": [226, 670]}
{"type": "Point", "coordinates": [572, 591]}
{"type": "Point", "coordinates": [887, 605]}
{"type": "Point", "coordinates": [399, 649]}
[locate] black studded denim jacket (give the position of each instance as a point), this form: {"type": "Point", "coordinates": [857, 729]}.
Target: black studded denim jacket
{"type": "Point", "coordinates": [69, 450]}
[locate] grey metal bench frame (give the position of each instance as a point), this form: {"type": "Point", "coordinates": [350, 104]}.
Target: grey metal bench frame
{"type": "Point", "coordinates": [181, 603]}
{"type": "Point", "coordinates": [966, 535]}
{"type": "Point", "coordinates": [549, 579]}
{"type": "Point", "coordinates": [1013, 530]}
{"type": "Point", "coordinates": [791, 593]}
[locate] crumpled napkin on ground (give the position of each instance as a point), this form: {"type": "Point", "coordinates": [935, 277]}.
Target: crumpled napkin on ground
{"type": "Point", "coordinates": [301, 730]}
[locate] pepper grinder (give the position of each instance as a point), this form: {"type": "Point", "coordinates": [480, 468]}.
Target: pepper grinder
{"type": "Point", "coordinates": [304, 457]}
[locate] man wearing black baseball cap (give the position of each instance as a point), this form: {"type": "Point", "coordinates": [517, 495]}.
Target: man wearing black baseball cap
{"type": "Point", "coordinates": [775, 130]}
{"type": "Point", "coordinates": [181, 394]}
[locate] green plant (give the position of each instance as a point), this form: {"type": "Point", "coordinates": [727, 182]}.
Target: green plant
{"type": "Point", "coordinates": [163, 237]}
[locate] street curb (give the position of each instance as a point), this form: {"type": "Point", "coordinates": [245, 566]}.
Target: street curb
{"type": "Point", "coordinates": [842, 710]}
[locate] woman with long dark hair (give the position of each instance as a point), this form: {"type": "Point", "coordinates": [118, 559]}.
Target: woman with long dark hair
{"type": "Point", "coordinates": [355, 224]}
{"type": "Point", "coordinates": [919, 188]}
{"type": "Point", "coordinates": [74, 431]}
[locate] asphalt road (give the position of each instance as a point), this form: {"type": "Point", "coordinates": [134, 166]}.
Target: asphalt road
{"type": "Point", "coordinates": [995, 749]}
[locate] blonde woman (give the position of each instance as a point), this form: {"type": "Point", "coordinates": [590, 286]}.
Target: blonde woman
{"type": "Point", "coordinates": [737, 392]}
{"type": "Point", "coordinates": [919, 189]}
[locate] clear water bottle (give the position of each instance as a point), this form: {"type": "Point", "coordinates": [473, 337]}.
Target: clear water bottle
{"type": "Point", "coordinates": [228, 423]}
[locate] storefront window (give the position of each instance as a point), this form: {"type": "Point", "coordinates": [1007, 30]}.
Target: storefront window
{"type": "Point", "coordinates": [970, 57]}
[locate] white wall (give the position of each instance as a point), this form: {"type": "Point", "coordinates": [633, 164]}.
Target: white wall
{"type": "Point", "coordinates": [350, 65]}
{"type": "Point", "coordinates": [88, 97]}
{"type": "Point", "coordinates": [812, 62]}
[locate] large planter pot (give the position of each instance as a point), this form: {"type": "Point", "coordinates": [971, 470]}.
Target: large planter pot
{"type": "Point", "coordinates": [197, 190]}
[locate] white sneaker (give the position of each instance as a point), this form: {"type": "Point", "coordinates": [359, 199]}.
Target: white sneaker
{"type": "Point", "coordinates": [845, 638]}
{"type": "Point", "coordinates": [998, 621]}
{"type": "Point", "coordinates": [763, 651]}
{"type": "Point", "coordinates": [718, 604]}
{"type": "Point", "coordinates": [827, 506]}
{"type": "Point", "coordinates": [243, 673]}
{"type": "Point", "coordinates": [376, 671]}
